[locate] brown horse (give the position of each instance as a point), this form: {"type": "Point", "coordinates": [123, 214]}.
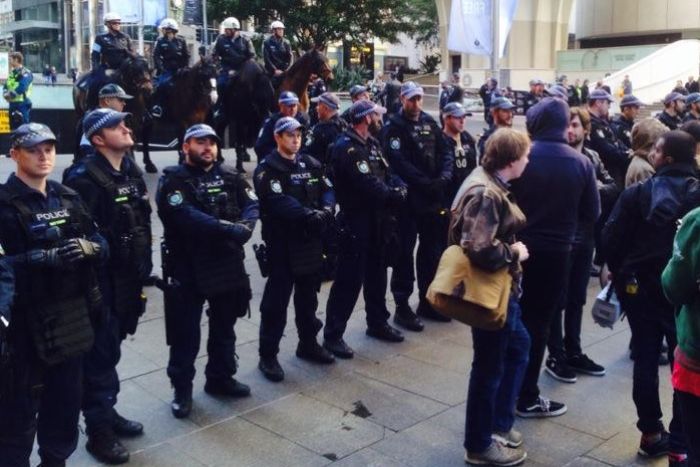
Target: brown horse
{"type": "Point", "coordinates": [296, 78]}
{"type": "Point", "coordinates": [134, 76]}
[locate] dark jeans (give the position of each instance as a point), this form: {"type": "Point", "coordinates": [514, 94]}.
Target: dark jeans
{"type": "Point", "coordinates": [275, 300]}
{"type": "Point", "coordinates": [221, 345]}
{"type": "Point", "coordinates": [500, 359]}
{"type": "Point", "coordinates": [45, 402]}
{"type": "Point", "coordinates": [101, 382]}
{"type": "Point", "coordinates": [569, 345]}
{"type": "Point", "coordinates": [690, 411]}
{"type": "Point", "coordinates": [651, 319]}
{"type": "Point", "coordinates": [545, 275]}
{"type": "Point", "coordinates": [360, 265]}
{"type": "Point", "coordinates": [431, 230]}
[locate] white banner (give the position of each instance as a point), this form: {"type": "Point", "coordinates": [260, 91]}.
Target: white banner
{"type": "Point", "coordinates": [470, 25]}
{"type": "Point", "coordinates": [130, 10]}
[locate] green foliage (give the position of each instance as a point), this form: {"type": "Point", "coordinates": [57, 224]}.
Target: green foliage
{"type": "Point", "coordinates": [318, 23]}
{"type": "Point", "coordinates": [345, 78]}
{"type": "Point", "coordinates": [430, 63]}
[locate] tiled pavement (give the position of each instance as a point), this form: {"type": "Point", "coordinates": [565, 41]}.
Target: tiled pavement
{"type": "Point", "coordinates": [393, 405]}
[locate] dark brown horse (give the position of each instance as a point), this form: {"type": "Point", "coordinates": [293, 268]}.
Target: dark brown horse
{"type": "Point", "coordinates": [296, 79]}
{"type": "Point", "coordinates": [246, 100]}
{"type": "Point", "coordinates": [134, 76]}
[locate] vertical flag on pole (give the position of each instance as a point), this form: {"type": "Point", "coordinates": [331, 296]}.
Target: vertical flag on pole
{"type": "Point", "coordinates": [470, 25]}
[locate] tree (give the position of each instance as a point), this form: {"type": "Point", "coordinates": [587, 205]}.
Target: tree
{"type": "Point", "coordinates": [318, 23]}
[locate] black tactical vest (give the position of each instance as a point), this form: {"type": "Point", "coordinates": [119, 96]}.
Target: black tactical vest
{"type": "Point", "coordinates": [424, 135]}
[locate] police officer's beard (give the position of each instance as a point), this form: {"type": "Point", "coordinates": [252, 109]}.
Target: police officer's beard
{"type": "Point", "coordinates": [374, 128]}
{"type": "Point", "coordinates": [197, 160]}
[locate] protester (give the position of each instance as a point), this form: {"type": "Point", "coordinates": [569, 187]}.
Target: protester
{"type": "Point", "coordinates": [644, 136]}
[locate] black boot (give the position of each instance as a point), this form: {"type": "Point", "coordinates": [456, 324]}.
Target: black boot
{"type": "Point", "coordinates": [125, 427]}
{"type": "Point", "coordinates": [313, 352]}
{"type": "Point", "coordinates": [406, 318]}
{"type": "Point", "coordinates": [385, 333]}
{"type": "Point", "coordinates": [104, 445]}
{"type": "Point", "coordinates": [339, 348]}
{"type": "Point", "coordinates": [271, 369]}
{"type": "Point", "coordinates": [226, 387]}
{"type": "Point", "coordinates": [427, 311]}
{"type": "Point", "coordinates": [181, 406]}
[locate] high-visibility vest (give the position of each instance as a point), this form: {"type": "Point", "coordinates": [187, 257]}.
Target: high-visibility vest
{"type": "Point", "coordinates": [13, 82]}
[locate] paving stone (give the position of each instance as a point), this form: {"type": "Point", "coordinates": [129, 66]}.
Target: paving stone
{"type": "Point", "coordinates": [133, 364]}
{"type": "Point", "coordinates": [445, 354]}
{"type": "Point", "coordinates": [164, 455]}
{"type": "Point", "coordinates": [239, 443]}
{"type": "Point", "coordinates": [585, 462]}
{"type": "Point", "coordinates": [552, 444]}
{"type": "Point", "coordinates": [320, 427]}
{"type": "Point", "coordinates": [621, 449]}
{"type": "Point", "coordinates": [385, 405]}
{"type": "Point", "coordinates": [367, 457]}
{"type": "Point", "coordinates": [421, 378]}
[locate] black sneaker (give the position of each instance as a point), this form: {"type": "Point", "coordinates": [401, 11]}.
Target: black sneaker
{"type": "Point", "coordinates": [181, 406]}
{"type": "Point", "coordinates": [313, 352]}
{"type": "Point", "coordinates": [104, 445]}
{"type": "Point", "coordinates": [541, 408]}
{"type": "Point", "coordinates": [271, 369]}
{"type": "Point", "coordinates": [385, 333]}
{"type": "Point", "coordinates": [406, 318]}
{"type": "Point", "coordinates": [339, 348]}
{"type": "Point", "coordinates": [227, 388]}
{"type": "Point", "coordinates": [582, 364]}
{"type": "Point", "coordinates": [125, 427]}
{"type": "Point", "coordinates": [654, 446]}
{"type": "Point", "coordinates": [559, 370]}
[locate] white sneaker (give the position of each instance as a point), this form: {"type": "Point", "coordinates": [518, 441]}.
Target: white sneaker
{"type": "Point", "coordinates": [511, 439]}
{"type": "Point", "coordinates": [496, 454]}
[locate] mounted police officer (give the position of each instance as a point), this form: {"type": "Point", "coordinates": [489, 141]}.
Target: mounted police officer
{"type": "Point", "coordinates": [288, 104]}
{"type": "Point", "coordinates": [463, 147]}
{"type": "Point", "coordinates": [115, 192]}
{"type": "Point", "coordinates": [419, 154]}
{"type": "Point", "coordinates": [622, 124]}
{"type": "Point", "coordinates": [232, 50]}
{"type": "Point", "coordinates": [18, 90]}
{"type": "Point", "coordinates": [169, 56]}
{"type": "Point", "coordinates": [613, 152]}
{"type": "Point", "coordinates": [322, 136]}
{"type": "Point", "coordinates": [109, 51]}
{"type": "Point", "coordinates": [277, 52]}
{"type": "Point", "coordinates": [296, 206]}
{"type": "Point", "coordinates": [48, 235]}
{"type": "Point", "coordinates": [209, 212]}
{"type": "Point", "coordinates": [369, 195]}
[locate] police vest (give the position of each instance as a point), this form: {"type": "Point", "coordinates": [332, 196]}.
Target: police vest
{"type": "Point", "coordinates": [13, 82]}
{"type": "Point", "coordinates": [424, 136]}
{"type": "Point", "coordinates": [378, 166]}
{"type": "Point", "coordinates": [57, 301]}
{"type": "Point", "coordinates": [171, 53]}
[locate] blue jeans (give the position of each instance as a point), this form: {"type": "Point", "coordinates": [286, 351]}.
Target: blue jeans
{"type": "Point", "coordinates": [500, 360]}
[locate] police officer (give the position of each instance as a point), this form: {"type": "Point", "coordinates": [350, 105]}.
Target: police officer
{"type": "Point", "coordinates": [109, 51]}
{"type": "Point", "coordinates": [288, 104]}
{"type": "Point", "coordinates": [277, 52]}
{"type": "Point", "coordinates": [169, 55]}
{"type": "Point", "coordinates": [534, 95]}
{"type": "Point", "coordinates": [315, 88]}
{"type": "Point", "coordinates": [111, 96]}
{"type": "Point", "coordinates": [296, 205]}
{"type": "Point", "coordinates": [115, 192]}
{"type": "Point", "coordinates": [368, 194]}
{"type": "Point", "coordinates": [209, 212]}
{"type": "Point", "coordinates": [692, 103]}
{"type": "Point", "coordinates": [326, 131]}
{"type": "Point", "coordinates": [54, 248]}
{"type": "Point", "coordinates": [420, 155]}
{"type": "Point", "coordinates": [463, 147]}
{"type": "Point", "coordinates": [602, 139]}
{"type": "Point", "coordinates": [18, 90]}
{"type": "Point", "coordinates": [357, 93]}
{"type": "Point", "coordinates": [501, 116]}
{"type": "Point", "coordinates": [232, 49]}
{"type": "Point", "coordinates": [674, 104]}
{"type": "Point", "coordinates": [622, 124]}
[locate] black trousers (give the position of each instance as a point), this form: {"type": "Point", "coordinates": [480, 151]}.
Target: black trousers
{"type": "Point", "coordinates": [690, 412]}
{"type": "Point", "coordinates": [545, 275]}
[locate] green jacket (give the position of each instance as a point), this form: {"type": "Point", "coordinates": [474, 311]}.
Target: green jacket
{"type": "Point", "coordinates": [680, 281]}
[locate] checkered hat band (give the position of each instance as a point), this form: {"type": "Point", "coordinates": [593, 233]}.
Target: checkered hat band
{"type": "Point", "coordinates": [98, 125]}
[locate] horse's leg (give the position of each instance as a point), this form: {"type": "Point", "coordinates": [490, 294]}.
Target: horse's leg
{"type": "Point", "coordinates": [145, 140]}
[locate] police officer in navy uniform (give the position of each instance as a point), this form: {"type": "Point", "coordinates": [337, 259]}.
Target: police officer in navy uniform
{"type": "Point", "coordinates": [115, 192]}
{"type": "Point", "coordinates": [109, 51]}
{"type": "Point", "coordinates": [602, 139]}
{"type": "Point", "coordinates": [296, 206]}
{"type": "Point", "coordinates": [277, 52]}
{"type": "Point", "coordinates": [288, 103]}
{"type": "Point", "coordinates": [169, 56]}
{"type": "Point", "coordinates": [209, 212]}
{"type": "Point", "coordinates": [53, 246]}
{"type": "Point", "coordinates": [369, 195]}
{"type": "Point", "coordinates": [315, 88]}
{"type": "Point", "coordinates": [322, 136]}
{"type": "Point", "coordinates": [622, 124]}
{"type": "Point", "coordinates": [501, 116]}
{"type": "Point", "coordinates": [534, 95]}
{"type": "Point", "coordinates": [419, 154]}
{"type": "Point", "coordinates": [692, 104]}
{"type": "Point", "coordinates": [674, 105]}
{"type": "Point", "coordinates": [357, 93]}
{"type": "Point", "coordinates": [463, 147]}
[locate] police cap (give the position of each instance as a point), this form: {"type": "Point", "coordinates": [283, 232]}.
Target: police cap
{"type": "Point", "coordinates": [454, 109]}
{"type": "Point", "coordinates": [102, 118]}
{"type": "Point", "coordinates": [630, 101]}
{"type": "Point", "coordinates": [287, 125]}
{"type": "Point", "coordinates": [31, 134]}
{"type": "Point", "coordinates": [288, 98]}
{"type": "Point", "coordinates": [113, 90]}
{"type": "Point", "coordinates": [201, 130]}
{"type": "Point", "coordinates": [357, 90]}
{"type": "Point", "coordinates": [502, 103]}
{"type": "Point", "coordinates": [673, 96]}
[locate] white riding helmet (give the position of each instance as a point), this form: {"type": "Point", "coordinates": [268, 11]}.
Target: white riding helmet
{"type": "Point", "coordinates": [168, 23]}
{"type": "Point", "coordinates": [277, 25]}
{"type": "Point", "coordinates": [112, 16]}
{"type": "Point", "coordinates": [230, 23]}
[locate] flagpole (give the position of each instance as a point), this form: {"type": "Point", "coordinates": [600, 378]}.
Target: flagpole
{"type": "Point", "coordinates": [495, 27]}
{"type": "Point", "coordinates": [141, 46]}
{"type": "Point", "coordinates": [205, 32]}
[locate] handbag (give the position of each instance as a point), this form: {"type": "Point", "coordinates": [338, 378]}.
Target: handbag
{"type": "Point", "coordinates": [469, 294]}
{"type": "Point", "coordinates": [606, 309]}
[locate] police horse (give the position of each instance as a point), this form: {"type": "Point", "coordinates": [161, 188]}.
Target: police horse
{"type": "Point", "coordinates": [134, 76]}
{"type": "Point", "coordinates": [296, 78]}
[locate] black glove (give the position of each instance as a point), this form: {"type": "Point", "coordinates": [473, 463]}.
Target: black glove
{"type": "Point", "coordinates": [238, 231]}
{"type": "Point", "coordinates": [397, 196]}
{"type": "Point", "coordinates": [49, 258]}
{"type": "Point", "coordinates": [76, 250]}
{"type": "Point", "coordinates": [437, 187]}
{"type": "Point", "coordinates": [319, 219]}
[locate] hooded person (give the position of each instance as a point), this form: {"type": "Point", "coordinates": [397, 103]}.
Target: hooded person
{"type": "Point", "coordinates": [556, 191]}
